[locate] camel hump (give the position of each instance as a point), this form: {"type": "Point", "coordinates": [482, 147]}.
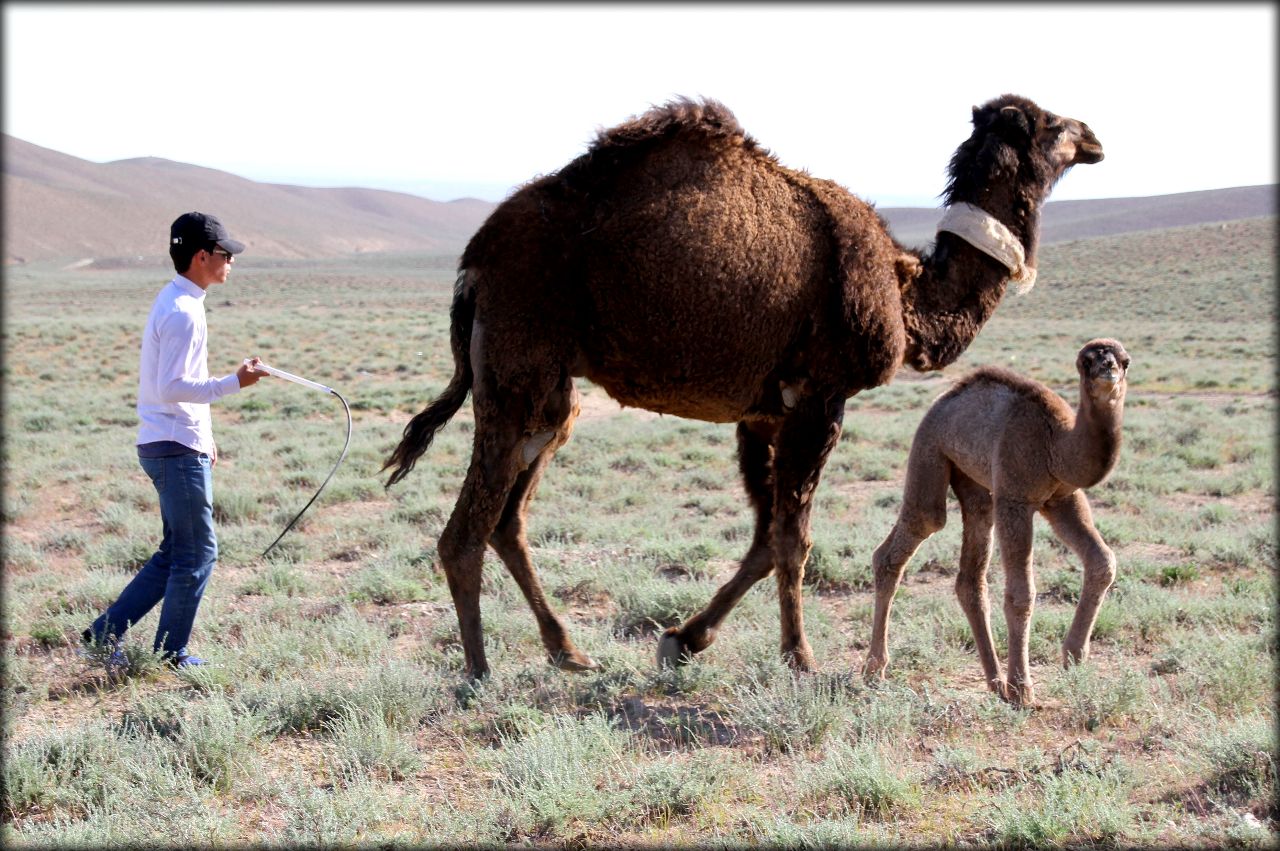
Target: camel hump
{"type": "Point", "coordinates": [707, 123]}
{"type": "Point", "coordinates": [707, 117]}
{"type": "Point", "coordinates": [1027, 388]}
{"type": "Point", "coordinates": [991, 375]}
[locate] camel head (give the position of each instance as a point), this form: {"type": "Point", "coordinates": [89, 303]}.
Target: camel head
{"type": "Point", "coordinates": [1103, 365]}
{"type": "Point", "coordinates": [1015, 137]}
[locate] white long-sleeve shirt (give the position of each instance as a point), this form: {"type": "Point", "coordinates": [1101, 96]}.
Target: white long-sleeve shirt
{"type": "Point", "coordinates": [174, 387]}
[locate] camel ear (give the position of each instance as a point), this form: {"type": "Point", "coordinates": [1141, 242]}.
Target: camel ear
{"type": "Point", "coordinates": [1015, 117]}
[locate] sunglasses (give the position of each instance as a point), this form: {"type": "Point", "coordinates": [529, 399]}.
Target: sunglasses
{"type": "Point", "coordinates": [222, 253]}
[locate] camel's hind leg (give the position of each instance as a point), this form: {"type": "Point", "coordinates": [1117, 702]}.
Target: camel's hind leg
{"type": "Point", "coordinates": [755, 460]}
{"type": "Point", "coordinates": [513, 429]}
{"type": "Point", "coordinates": [1072, 522]}
{"type": "Point", "coordinates": [508, 538]}
{"type": "Point", "coordinates": [923, 512]}
{"type": "Point", "coordinates": [484, 492]}
{"type": "Point", "coordinates": [971, 581]}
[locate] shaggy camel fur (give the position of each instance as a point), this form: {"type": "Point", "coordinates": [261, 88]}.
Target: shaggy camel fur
{"type": "Point", "coordinates": [681, 267]}
{"type": "Point", "coordinates": [1009, 447]}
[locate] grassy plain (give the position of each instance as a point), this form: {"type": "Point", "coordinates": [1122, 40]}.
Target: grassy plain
{"type": "Point", "coordinates": [337, 713]}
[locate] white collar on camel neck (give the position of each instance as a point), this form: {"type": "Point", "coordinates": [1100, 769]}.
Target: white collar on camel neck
{"type": "Point", "coordinates": [987, 234]}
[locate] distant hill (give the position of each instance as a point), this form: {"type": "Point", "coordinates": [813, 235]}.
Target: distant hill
{"type": "Point", "coordinates": [58, 207]}
{"type": "Point", "coordinates": [61, 207]}
{"type": "Point", "coordinates": [1063, 221]}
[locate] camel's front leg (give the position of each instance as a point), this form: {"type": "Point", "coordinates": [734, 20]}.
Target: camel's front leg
{"type": "Point", "coordinates": [755, 460]}
{"type": "Point", "coordinates": [1072, 522]}
{"type": "Point", "coordinates": [1013, 527]}
{"type": "Point", "coordinates": [807, 437]}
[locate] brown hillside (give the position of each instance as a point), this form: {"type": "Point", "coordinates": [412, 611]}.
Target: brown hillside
{"type": "Point", "coordinates": [1067, 220]}
{"type": "Point", "coordinates": [62, 207]}
{"type": "Point", "coordinates": [58, 207]}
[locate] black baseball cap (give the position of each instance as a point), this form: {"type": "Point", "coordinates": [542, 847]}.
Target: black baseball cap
{"type": "Point", "coordinates": [200, 230]}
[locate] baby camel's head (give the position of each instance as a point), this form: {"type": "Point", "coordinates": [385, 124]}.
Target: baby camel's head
{"type": "Point", "coordinates": [1103, 365]}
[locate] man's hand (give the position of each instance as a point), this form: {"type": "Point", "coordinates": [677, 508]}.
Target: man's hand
{"type": "Point", "coordinates": [213, 456]}
{"type": "Point", "coordinates": [248, 372]}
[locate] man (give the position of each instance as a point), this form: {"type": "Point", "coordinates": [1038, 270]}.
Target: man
{"type": "Point", "coordinates": [175, 443]}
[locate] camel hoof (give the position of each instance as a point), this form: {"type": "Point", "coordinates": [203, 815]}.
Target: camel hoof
{"type": "Point", "coordinates": [801, 660]}
{"type": "Point", "coordinates": [873, 670]}
{"type": "Point", "coordinates": [575, 661]}
{"type": "Point", "coordinates": [1017, 696]}
{"type": "Point", "coordinates": [1074, 655]}
{"type": "Point", "coordinates": [671, 650]}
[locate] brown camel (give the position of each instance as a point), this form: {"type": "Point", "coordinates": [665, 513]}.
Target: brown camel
{"type": "Point", "coordinates": [681, 267]}
{"type": "Point", "coordinates": [1009, 447]}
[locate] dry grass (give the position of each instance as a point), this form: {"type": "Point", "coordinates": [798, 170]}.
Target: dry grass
{"type": "Point", "coordinates": [338, 713]}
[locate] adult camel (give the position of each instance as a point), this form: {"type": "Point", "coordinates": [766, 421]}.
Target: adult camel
{"type": "Point", "coordinates": [681, 267]}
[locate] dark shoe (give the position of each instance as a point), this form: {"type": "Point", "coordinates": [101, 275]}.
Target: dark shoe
{"type": "Point", "coordinates": [186, 661]}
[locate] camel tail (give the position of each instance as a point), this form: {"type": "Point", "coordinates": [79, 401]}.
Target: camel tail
{"type": "Point", "coordinates": [423, 427]}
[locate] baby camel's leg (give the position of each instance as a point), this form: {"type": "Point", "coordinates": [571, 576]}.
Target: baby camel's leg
{"type": "Point", "coordinates": [971, 581]}
{"type": "Point", "coordinates": [924, 511]}
{"type": "Point", "coordinates": [1072, 522]}
{"type": "Point", "coordinates": [508, 538]}
{"type": "Point", "coordinates": [1013, 527]}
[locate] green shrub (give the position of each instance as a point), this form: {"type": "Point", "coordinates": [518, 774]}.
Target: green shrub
{"type": "Point", "coordinates": [365, 744]}
{"type": "Point", "coordinates": [406, 695]}
{"type": "Point", "coordinates": [674, 788]}
{"type": "Point", "coordinates": [1075, 807]}
{"type": "Point", "coordinates": [651, 603]}
{"type": "Point", "coordinates": [294, 706]}
{"type": "Point", "coordinates": [565, 772]}
{"type": "Point", "coordinates": [861, 779]}
{"type": "Point", "coordinates": [386, 585]}
{"type": "Point", "coordinates": [119, 554]}
{"type": "Point", "coordinates": [342, 814]}
{"type": "Point", "coordinates": [1242, 760]}
{"type": "Point", "coordinates": [1227, 672]}
{"type": "Point", "coordinates": [1091, 700]}
{"type": "Point", "coordinates": [212, 739]}
{"type": "Point", "coordinates": [1179, 574]}
{"type": "Point", "coordinates": [790, 713]}
{"type": "Point", "coordinates": [276, 578]}
{"type": "Point", "coordinates": [97, 590]}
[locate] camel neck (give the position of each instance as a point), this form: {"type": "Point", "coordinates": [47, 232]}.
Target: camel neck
{"type": "Point", "coordinates": [990, 236]}
{"type": "Point", "coordinates": [1089, 451]}
{"type": "Point", "coordinates": [1018, 211]}
{"type": "Point", "coordinates": [960, 286]}
{"type": "Point", "coordinates": [946, 304]}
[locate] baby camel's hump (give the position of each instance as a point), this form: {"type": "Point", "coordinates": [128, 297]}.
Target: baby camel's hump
{"type": "Point", "coordinates": [992, 425]}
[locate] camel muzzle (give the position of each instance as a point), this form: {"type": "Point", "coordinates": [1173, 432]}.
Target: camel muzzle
{"type": "Point", "coordinates": [1088, 149]}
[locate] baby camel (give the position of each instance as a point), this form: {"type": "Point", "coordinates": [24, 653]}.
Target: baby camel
{"type": "Point", "coordinates": [1009, 447]}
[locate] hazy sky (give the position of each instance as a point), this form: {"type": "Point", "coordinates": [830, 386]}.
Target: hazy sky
{"type": "Point", "coordinates": [449, 101]}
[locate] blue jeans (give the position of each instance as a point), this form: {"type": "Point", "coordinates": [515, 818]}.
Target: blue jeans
{"type": "Point", "coordinates": [180, 569]}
